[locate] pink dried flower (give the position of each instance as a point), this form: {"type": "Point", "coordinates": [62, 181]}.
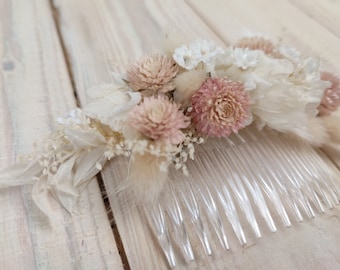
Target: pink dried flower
{"type": "Point", "coordinates": [153, 73]}
{"type": "Point", "coordinates": [220, 107]}
{"type": "Point", "coordinates": [256, 43]}
{"type": "Point", "coordinates": [331, 97]}
{"type": "Point", "coordinates": [159, 119]}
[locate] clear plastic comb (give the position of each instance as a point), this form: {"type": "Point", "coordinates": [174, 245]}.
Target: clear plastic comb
{"type": "Point", "coordinates": [242, 183]}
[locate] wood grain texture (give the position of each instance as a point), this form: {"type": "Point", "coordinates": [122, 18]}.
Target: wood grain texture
{"type": "Point", "coordinates": [324, 12]}
{"type": "Point", "coordinates": [104, 35]}
{"type": "Point", "coordinates": [290, 21]}
{"type": "Point", "coordinates": [35, 89]}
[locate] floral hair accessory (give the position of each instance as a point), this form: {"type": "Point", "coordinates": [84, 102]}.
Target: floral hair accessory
{"type": "Point", "coordinates": [166, 105]}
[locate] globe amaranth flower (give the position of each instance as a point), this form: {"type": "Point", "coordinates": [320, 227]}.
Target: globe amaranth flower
{"type": "Point", "coordinates": [153, 73]}
{"type": "Point", "coordinates": [159, 119]}
{"type": "Point", "coordinates": [220, 107]}
{"type": "Point", "coordinates": [331, 97]}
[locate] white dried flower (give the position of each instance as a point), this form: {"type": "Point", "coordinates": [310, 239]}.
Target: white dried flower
{"type": "Point", "coordinates": [287, 102]}
{"type": "Point", "coordinates": [201, 51]}
{"type": "Point", "coordinates": [207, 52]}
{"type": "Point", "coordinates": [186, 57]}
{"type": "Point", "coordinates": [245, 58]}
{"type": "Point", "coordinates": [290, 52]}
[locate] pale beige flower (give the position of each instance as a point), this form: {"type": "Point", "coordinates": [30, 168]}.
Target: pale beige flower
{"type": "Point", "coordinates": [153, 73]}
{"type": "Point", "coordinates": [257, 43]}
{"type": "Point", "coordinates": [159, 119]}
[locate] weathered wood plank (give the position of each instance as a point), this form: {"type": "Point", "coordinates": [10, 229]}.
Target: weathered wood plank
{"type": "Point", "coordinates": [324, 12]}
{"type": "Point", "coordinates": [276, 19]}
{"type": "Point", "coordinates": [35, 89]}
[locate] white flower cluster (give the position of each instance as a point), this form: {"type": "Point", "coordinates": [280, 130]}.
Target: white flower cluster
{"type": "Point", "coordinates": [201, 51]}
{"type": "Point", "coordinates": [285, 89]}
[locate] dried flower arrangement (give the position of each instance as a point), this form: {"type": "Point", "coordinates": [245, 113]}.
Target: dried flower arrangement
{"type": "Point", "coordinates": [168, 103]}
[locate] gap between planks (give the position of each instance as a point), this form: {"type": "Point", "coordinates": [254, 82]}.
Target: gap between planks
{"type": "Point", "coordinates": [56, 19]}
{"type": "Point", "coordinates": [114, 228]}
{"type": "Point", "coordinates": [119, 242]}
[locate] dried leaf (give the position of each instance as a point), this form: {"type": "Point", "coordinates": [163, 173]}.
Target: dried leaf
{"type": "Point", "coordinates": [21, 173]}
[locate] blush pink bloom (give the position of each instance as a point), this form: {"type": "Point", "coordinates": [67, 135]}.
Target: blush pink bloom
{"type": "Point", "coordinates": [331, 97]}
{"type": "Point", "coordinates": [220, 107]}
{"type": "Point", "coordinates": [159, 119]}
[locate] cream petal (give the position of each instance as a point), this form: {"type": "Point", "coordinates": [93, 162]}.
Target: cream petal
{"type": "Point", "coordinates": [84, 138]}
{"type": "Point", "coordinates": [86, 167]}
{"type": "Point", "coordinates": [113, 108]}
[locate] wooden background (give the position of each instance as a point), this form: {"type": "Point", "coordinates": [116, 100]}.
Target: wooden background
{"type": "Point", "coordinates": [52, 51]}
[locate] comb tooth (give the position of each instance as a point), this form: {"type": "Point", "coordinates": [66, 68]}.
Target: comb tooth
{"type": "Point", "coordinates": [225, 200]}
{"type": "Point", "coordinates": [291, 174]}
{"type": "Point", "coordinates": [329, 172]}
{"type": "Point", "coordinates": [231, 213]}
{"type": "Point", "coordinates": [190, 204]}
{"type": "Point", "coordinates": [319, 191]}
{"type": "Point", "coordinates": [234, 181]}
{"type": "Point", "coordinates": [284, 180]}
{"type": "Point", "coordinates": [257, 169]}
{"type": "Point", "coordinates": [209, 205]}
{"type": "Point", "coordinates": [244, 203]}
{"type": "Point", "coordinates": [156, 219]}
{"type": "Point", "coordinates": [305, 176]}
{"type": "Point", "coordinates": [247, 177]}
{"type": "Point", "coordinates": [261, 204]}
{"type": "Point", "coordinates": [180, 233]}
{"type": "Point", "coordinates": [323, 176]}
{"type": "Point", "coordinates": [321, 173]}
